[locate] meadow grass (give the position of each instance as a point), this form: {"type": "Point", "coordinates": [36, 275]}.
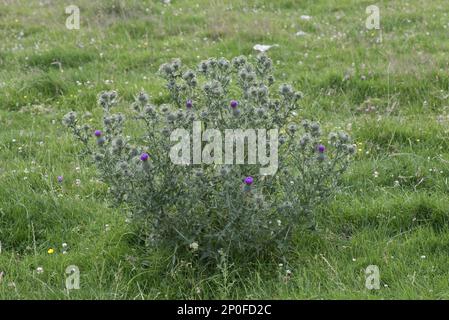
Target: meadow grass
{"type": "Point", "coordinates": [392, 96]}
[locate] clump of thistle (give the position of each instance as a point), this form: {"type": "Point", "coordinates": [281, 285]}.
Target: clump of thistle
{"type": "Point", "coordinates": [221, 209]}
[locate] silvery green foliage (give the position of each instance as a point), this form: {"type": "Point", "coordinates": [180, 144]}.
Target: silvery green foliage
{"type": "Point", "coordinates": [207, 209]}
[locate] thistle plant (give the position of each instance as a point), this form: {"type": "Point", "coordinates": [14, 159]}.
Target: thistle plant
{"type": "Point", "coordinates": [211, 209]}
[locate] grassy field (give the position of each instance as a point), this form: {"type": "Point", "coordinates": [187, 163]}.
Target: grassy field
{"type": "Point", "coordinates": [391, 95]}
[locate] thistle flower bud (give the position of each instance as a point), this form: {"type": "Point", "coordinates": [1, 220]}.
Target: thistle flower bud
{"type": "Point", "coordinates": [143, 98]}
{"type": "Point", "coordinates": [165, 70]}
{"type": "Point", "coordinates": [298, 95]}
{"type": "Point", "coordinates": [101, 141]}
{"type": "Point", "coordinates": [166, 132]}
{"type": "Point", "coordinates": [69, 119]}
{"type": "Point", "coordinates": [149, 110]}
{"type": "Point", "coordinates": [260, 112]}
{"type": "Point", "coordinates": [112, 96]}
{"type": "Point", "coordinates": [98, 157]}
{"type": "Point", "coordinates": [203, 67]}
{"type": "Point", "coordinates": [199, 173]}
{"type": "Point", "coordinates": [343, 137]}
{"type": "Point", "coordinates": [253, 92]}
{"type": "Point", "coordinates": [107, 120]}
{"type": "Point", "coordinates": [212, 62]}
{"type": "Point", "coordinates": [332, 137]}
{"type": "Point", "coordinates": [239, 61]}
{"type": "Point", "coordinates": [188, 75]}
{"type": "Point", "coordinates": [123, 166]}
{"type": "Point", "coordinates": [164, 108]}
{"type": "Point", "coordinates": [315, 126]}
{"type": "Point", "coordinates": [133, 152]}
{"type": "Point", "coordinates": [292, 128]}
{"type": "Point", "coordinates": [351, 149]}
{"type": "Point", "coordinates": [263, 91]}
{"type": "Point", "coordinates": [204, 114]}
{"type": "Point", "coordinates": [117, 142]}
{"type": "Point", "coordinates": [305, 139]}
{"type": "Point", "coordinates": [259, 198]}
{"type": "Point", "coordinates": [136, 106]}
{"type": "Point", "coordinates": [286, 89]}
{"type": "Point", "coordinates": [224, 171]}
{"type": "Point", "coordinates": [176, 64]}
{"type": "Point", "coordinates": [171, 117]}
{"type": "Point", "coordinates": [286, 205]}
{"type": "Point", "coordinates": [223, 64]}
{"type": "Point", "coordinates": [315, 129]}
{"type": "Point", "coordinates": [104, 96]}
{"type": "Point", "coordinates": [305, 124]}
{"type": "Point", "coordinates": [243, 74]}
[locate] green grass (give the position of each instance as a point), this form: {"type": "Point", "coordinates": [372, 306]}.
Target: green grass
{"type": "Point", "coordinates": [393, 211]}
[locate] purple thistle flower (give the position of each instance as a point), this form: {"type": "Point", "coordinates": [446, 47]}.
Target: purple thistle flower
{"type": "Point", "coordinates": [144, 156]}
{"type": "Point", "coordinates": [60, 178]}
{"type": "Point", "coordinates": [249, 180]}
{"type": "Point", "coordinates": [189, 104]}
{"type": "Point", "coordinates": [321, 148]}
{"type": "Point", "coordinates": [98, 133]}
{"type": "Point", "coordinates": [234, 104]}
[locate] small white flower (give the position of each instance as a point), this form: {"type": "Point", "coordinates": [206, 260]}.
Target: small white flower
{"type": "Point", "coordinates": [305, 17]}
{"type": "Point", "coordinates": [376, 174]}
{"type": "Point", "coordinates": [194, 246]}
{"type": "Point", "coordinates": [423, 257]}
{"type": "Point", "coordinates": [78, 182]}
{"type": "Point", "coordinates": [39, 270]}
